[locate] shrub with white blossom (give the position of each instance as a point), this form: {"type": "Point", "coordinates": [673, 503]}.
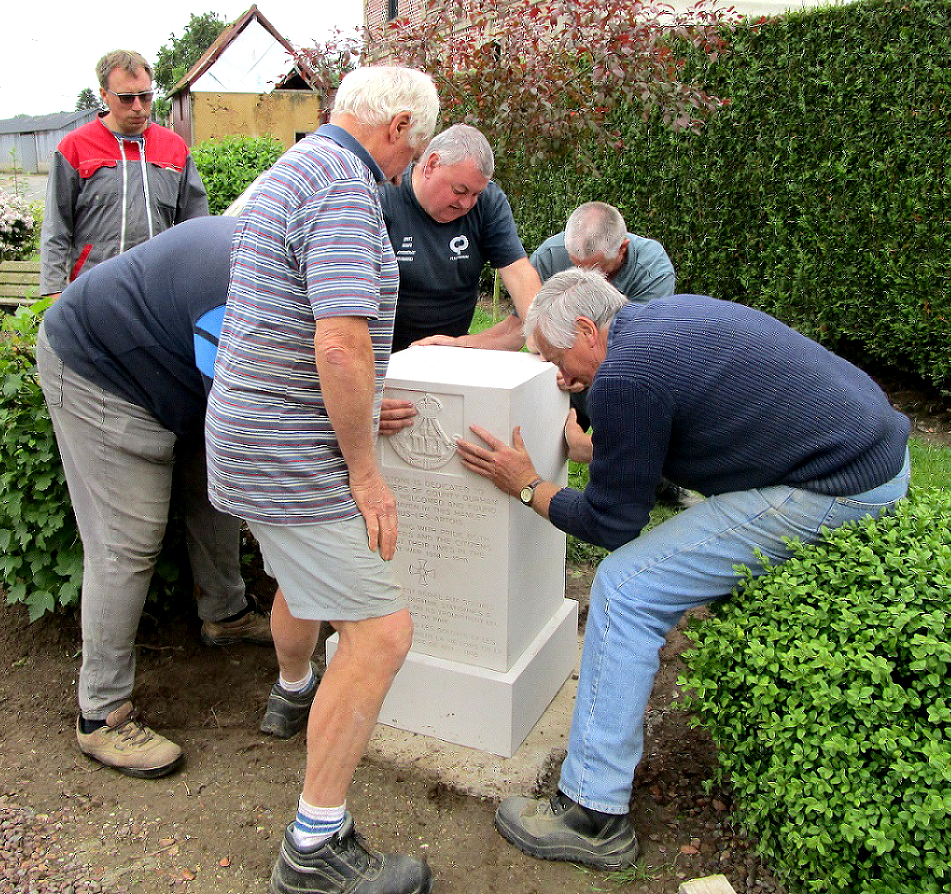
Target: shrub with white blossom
{"type": "Point", "coordinates": [18, 227]}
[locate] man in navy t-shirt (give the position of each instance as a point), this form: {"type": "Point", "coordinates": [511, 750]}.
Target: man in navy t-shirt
{"type": "Point", "coordinates": [446, 221]}
{"type": "Point", "coordinates": [118, 358]}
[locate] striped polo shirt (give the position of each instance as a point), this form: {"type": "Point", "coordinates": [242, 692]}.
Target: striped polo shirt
{"type": "Point", "coordinates": [310, 244]}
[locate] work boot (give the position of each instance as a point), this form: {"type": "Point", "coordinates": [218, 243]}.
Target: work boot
{"type": "Point", "coordinates": [250, 627]}
{"type": "Point", "coordinates": [129, 746]}
{"type": "Point", "coordinates": [344, 863]}
{"type": "Point", "coordinates": [286, 713]}
{"type": "Point", "coordinates": [560, 829]}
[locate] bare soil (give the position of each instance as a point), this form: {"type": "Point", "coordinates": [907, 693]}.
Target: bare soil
{"type": "Point", "coordinates": [68, 825]}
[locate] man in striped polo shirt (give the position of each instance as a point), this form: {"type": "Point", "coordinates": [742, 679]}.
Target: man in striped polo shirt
{"type": "Point", "coordinates": [290, 434]}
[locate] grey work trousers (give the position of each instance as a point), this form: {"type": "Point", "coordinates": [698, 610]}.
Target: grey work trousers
{"type": "Point", "coordinates": [119, 464]}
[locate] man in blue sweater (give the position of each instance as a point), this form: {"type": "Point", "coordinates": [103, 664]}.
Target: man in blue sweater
{"type": "Point", "coordinates": [781, 436]}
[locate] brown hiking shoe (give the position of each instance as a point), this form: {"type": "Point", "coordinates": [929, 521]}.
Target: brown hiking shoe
{"type": "Point", "coordinates": [252, 627]}
{"type": "Point", "coordinates": [129, 746]}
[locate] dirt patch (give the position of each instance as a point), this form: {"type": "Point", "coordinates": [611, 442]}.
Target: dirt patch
{"type": "Point", "coordinates": [215, 827]}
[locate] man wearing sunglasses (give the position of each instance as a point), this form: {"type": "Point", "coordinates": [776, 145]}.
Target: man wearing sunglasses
{"type": "Point", "coordinates": [117, 181]}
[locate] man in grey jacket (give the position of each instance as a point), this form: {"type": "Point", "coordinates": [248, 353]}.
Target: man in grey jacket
{"type": "Point", "coordinates": [116, 181]}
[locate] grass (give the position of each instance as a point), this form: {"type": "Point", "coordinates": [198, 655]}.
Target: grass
{"type": "Point", "coordinates": [930, 465]}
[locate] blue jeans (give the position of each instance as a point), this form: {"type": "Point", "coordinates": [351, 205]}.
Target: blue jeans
{"type": "Point", "coordinates": [642, 589]}
{"type": "Point", "coordinates": [119, 463]}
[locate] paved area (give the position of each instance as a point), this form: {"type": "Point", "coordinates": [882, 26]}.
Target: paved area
{"type": "Point", "coordinates": [31, 186]}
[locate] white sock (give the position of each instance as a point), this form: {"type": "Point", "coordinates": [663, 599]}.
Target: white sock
{"type": "Point", "coordinates": [314, 825]}
{"type": "Point", "coordinates": [299, 685]}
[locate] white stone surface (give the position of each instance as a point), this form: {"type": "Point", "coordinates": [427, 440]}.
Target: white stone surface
{"type": "Point", "coordinates": [483, 575]}
{"type": "Point", "coordinates": [480, 708]}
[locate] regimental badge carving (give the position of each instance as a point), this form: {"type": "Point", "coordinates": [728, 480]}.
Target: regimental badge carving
{"type": "Point", "coordinates": [425, 445]}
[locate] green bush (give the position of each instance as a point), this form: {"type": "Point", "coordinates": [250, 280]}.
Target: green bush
{"type": "Point", "coordinates": [826, 686]}
{"type": "Point", "coordinates": [227, 166]}
{"type": "Point", "coordinates": [40, 553]}
{"type": "Point", "coordinates": [822, 195]}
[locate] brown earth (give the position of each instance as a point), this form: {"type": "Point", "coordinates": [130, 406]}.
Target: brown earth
{"type": "Point", "coordinates": [68, 825]}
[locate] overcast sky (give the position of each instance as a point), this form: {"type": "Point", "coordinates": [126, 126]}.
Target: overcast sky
{"type": "Point", "coordinates": [49, 51]}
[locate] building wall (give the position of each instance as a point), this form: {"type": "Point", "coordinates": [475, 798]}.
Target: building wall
{"type": "Point", "coordinates": [30, 150]}
{"type": "Point", "coordinates": [283, 114]}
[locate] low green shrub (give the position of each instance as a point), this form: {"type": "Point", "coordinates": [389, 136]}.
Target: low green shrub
{"type": "Point", "coordinates": [826, 686]}
{"type": "Point", "coordinates": [227, 166]}
{"type": "Point", "coordinates": [40, 553]}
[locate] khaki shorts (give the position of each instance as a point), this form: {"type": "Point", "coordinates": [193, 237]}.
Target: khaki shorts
{"type": "Point", "coordinates": [327, 572]}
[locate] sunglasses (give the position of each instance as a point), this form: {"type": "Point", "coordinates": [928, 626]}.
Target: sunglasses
{"type": "Point", "coordinates": [145, 97]}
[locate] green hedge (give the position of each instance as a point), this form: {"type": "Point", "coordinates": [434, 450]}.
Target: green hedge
{"type": "Point", "coordinates": [228, 165]}
{"type": "Point", "coordinates": [826, 686]}
{"type": "Point", "coordinates": [821, 195]}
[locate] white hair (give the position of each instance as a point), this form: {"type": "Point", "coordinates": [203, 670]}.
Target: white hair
{"type": "Point", "coordinates": [595, 227]}
{"type": "Point", "coordinates": [460, 143]}
{"type": "Point", "coordinates": [375, 94]}
{"type": "Point", "coordinates": [566, 296]}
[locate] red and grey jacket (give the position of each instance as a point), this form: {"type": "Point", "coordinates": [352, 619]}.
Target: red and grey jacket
{"type": "Point", "coordinates": [108, 193]}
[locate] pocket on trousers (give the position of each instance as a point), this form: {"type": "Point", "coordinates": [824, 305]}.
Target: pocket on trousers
{"type": "Point", "coordinates": [50, 370]}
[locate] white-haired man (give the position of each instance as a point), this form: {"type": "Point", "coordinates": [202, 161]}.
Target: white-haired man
{"type": "Point", "coordinates": [596, 238]}
{"type": "Point", "coordinates": [290, 433]}
{"type": "Point", "coordinates": [783, 437]}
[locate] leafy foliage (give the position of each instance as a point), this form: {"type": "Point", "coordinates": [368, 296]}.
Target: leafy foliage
{"type": "Point", "coordinates": [542, 80]}
{"type": "Point", "coordinates": [175, 58]}
{"type": "Point", "coordinates": [229, 165]}
{"type": "Point", "coordinates": [826, 685]}
{"type": "Point", "coordinates": [821, 194]}
{"type": "Point", "coordinates": [87, 98]}
{"type": "Point", "coordinates": [40, 555]}
{"type": "Point", "coordinates": [181, 53]}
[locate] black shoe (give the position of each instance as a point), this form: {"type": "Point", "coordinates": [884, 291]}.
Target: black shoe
{"type": "Point", "coordinates": [560, 829]}
{"type": "Point", "coordinates": [287, 712]}
{"type": "Point", "coordinates": [345, 864]}
{"type": "Point", "coordinates": [669, 494]}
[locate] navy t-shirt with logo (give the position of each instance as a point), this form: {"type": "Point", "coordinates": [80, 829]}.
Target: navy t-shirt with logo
{"type": "Point", "coordinates": [440, 263]}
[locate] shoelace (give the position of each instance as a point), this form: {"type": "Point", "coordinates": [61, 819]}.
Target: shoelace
{"type": "Point", "coordinates": [134, 730]}
{"type": "Point", "coordinates": [357, 853]}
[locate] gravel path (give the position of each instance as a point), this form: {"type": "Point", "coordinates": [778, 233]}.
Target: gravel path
{"type": "Point", "coordinates": [32, 856]}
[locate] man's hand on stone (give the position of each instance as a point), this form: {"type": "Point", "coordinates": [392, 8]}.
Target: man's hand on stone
{"type": "Point", "coordinates": [444, 340]}
{"type": "Point", "coordinates": [395, 415]}
{"type": "Point", "coordinates": [377, 505]}
{"type": "Point", "coordinates": [578, 440]}
{"type": "Point", "coordinates": [508, 468]}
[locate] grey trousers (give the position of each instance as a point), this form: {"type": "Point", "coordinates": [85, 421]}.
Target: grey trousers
{"type": "Point", "coordinates": [119, 463]}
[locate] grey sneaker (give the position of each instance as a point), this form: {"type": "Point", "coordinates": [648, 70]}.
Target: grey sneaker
{"type": "Point", "coordinates": [345, 864]}
{"type": "Point", "coordinates": [128, 745]}
{"type": "Point", "coordinates": [559, 829]}
{"type": "Point", "coordinates": [287, 712]}
{"type": "Point", "coordinates": [252, 627]}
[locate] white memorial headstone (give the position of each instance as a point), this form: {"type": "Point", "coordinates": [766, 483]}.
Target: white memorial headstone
{"type": "Point", "coordinates": [484, 576]}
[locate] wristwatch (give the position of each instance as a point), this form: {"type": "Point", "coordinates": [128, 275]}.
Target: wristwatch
{"type": "Point", "coordinates": [527, 493]}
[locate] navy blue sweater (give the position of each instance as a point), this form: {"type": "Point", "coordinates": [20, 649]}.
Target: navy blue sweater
{"type": "Point", "coordinates": [718, 397]}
